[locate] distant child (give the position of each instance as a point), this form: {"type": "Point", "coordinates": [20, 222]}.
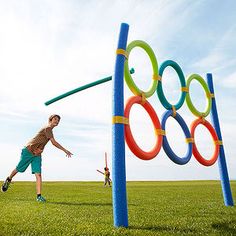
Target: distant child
{"type": "Point", "coordinates": [107, 177]}
{"type": "Point", "coordinates": [31, 155]}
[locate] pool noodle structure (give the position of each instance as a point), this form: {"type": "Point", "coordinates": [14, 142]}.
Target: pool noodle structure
{"type": "Point", "coordinates": [106, 159]}
{"type": "Point", "coordinates": [120, 123]}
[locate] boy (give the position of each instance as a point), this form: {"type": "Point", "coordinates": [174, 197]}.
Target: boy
{"type": "Point", "coordinates": [31, 154]}
{"type": "Point", "coordinates": [107, 177]}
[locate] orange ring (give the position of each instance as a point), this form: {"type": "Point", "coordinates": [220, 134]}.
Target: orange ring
{"type": "Point", "coordinates": [212, 131]}
{"type": "Point", "coordinates": [137, 151]}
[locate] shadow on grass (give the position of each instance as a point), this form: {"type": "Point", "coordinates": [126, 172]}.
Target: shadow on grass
{"type": "Point", "coordinates": [67, 203]}
{"type": "Point", "coordinates": [226, 227]}
{"type": "Point", "coordinates": [80, 203]}
{"type": "Point", "coordinates": [71, 203]}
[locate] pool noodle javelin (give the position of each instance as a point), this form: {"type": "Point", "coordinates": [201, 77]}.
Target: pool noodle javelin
{"type": "Point", "coordinates": [86, 86]}
{"type": "Point", "coordinates": [78, 90]}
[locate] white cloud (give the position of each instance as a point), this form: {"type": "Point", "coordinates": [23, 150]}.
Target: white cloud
{"type": "Point", "coordinates": [230, 81]}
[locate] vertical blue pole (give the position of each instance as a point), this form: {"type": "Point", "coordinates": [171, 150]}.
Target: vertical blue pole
{"type": "Point", "coordinates": [120, 211]}
{"type": "Point", "coordinates": [225, 184]}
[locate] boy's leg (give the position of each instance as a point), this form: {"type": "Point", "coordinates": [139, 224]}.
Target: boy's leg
{"type": "Point", "coordinates": [8, 180]}
{"type": "Point", "coordinates": [36, 165]}
{"type": "Point", "coordinates": [38, 183]}
{"type": "Point", "coordinates": [39, 187]}
{"type": "Point", "coordinates": [25, 160]}
{"type": "Point", "coordinates": [13, 173]}
{"type": "Point", "coordinates": [105, 182]}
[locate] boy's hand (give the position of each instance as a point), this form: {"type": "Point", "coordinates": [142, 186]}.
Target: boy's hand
{"type": "Point", "coordinates": [68, 153]}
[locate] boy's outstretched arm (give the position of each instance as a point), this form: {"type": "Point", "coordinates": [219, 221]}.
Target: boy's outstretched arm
{"type": "Point", "coordinates": [58, 145]}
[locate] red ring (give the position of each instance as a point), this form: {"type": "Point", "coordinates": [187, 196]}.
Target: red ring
{"type": "Point", "coordinates": [128, 134]}
{"type": "Point", "coordinates": [212, 131]}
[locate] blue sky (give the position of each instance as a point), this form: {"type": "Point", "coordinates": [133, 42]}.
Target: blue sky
{"type": "Point", "coordinates": [50, 47]}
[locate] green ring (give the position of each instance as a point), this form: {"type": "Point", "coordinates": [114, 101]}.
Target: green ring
{"type": "Point", "coordinates": [128, 78]}
{"type": "Point", "coordinates": [160, 92]}
{"type": "Point", "coordinates": [207, 92]}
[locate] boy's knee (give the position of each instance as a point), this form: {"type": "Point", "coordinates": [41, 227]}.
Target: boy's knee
{"type": "Point", "coordinates": [38, 175]}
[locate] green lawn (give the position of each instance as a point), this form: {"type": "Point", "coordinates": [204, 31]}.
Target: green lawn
{"type": "Point", "coordinates": [85, 208]}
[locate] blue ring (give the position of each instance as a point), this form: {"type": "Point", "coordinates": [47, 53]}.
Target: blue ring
{"type": "Point", "coordinates": [166, 146]}
{"type": "Point", "coordinates": [160, 92]}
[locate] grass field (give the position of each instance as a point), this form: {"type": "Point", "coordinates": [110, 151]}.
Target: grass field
{"type": "Point", "coordinates": [85, 208]}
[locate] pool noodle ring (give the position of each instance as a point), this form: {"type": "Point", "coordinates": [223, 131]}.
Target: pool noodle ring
{"type": "Point", "coordinates": [207, 92]}
{"type": "Point", "coordinates": [169, 152]}
{"type": "Point", "coordinates": [160, 92]}
{"type": "Point", "coordinates": [156, 123]}
{"type": "Point", "coordinates": [213, 133]}
{"type": "Point", "coordinates": [128, 78]}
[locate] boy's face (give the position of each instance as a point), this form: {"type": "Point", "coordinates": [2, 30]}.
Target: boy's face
{"type": "Point", "coordinates": [55, 121]}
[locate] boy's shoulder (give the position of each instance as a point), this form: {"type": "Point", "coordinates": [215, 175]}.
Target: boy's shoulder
{"type": "Point", "coordinates": [45, 129]}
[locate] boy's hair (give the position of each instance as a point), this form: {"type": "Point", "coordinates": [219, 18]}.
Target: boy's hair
{"type": "Point", "coordinates": [52, 116]}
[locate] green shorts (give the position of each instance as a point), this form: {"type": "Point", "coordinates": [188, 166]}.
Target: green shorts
{"type": "Point", "coordinates": [28, 158]}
